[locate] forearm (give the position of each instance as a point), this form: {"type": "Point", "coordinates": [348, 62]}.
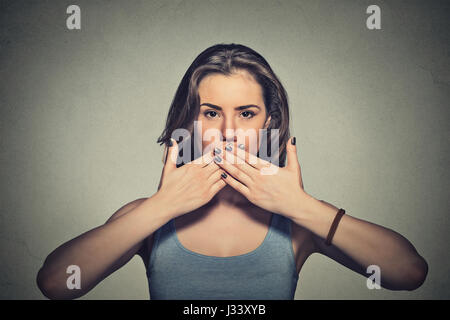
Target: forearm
{"type": "Point", "coordinates": [366, 243]}
{"type": "Point", "coordinates": [96, 251]}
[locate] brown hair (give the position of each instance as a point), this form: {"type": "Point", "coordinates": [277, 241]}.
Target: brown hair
{"type": "Point", "coordinates": [226, 59]}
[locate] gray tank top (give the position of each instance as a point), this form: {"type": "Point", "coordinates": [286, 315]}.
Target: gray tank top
{"type": "Point", "coordinates": [266, 273]}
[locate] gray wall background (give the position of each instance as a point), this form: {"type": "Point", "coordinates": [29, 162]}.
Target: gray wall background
{"type": "Point", "coordinates": [81, 111]}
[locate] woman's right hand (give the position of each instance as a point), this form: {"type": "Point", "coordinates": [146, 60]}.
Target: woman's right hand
{"type": "Point", "coordinates": [190, 186]}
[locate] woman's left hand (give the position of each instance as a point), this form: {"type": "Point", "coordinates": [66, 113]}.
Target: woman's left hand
{"type": "Point", "coordinates": [276, 189]}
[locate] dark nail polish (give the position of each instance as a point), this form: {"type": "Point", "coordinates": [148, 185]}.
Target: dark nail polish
{"type": "Point", "coordinates": [293, 141]}
{"type": "Point", "coordinates": [218, 159]}
{"type": "Point", "coordinates": [241, 146]}
{"type": "Point", "coordinates": [217, 150]}
{"type": "Point", "coordinates": [170, 143]}
{"type": "Point", "coordinates": [223, 175]}
{"type": "Point", "coordinates": [229, 147]}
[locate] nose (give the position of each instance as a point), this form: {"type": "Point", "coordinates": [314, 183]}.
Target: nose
{"type": "Point", "coordinates": [230, 139]}
{"type": "Point", "coordinates": [229, 130]}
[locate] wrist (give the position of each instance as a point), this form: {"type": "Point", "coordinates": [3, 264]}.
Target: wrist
{"type": "Point", "coordinates": [300, 206]}
{"type": "Point", "coordinates": [163, 206]}
{"type": "Point", "coordinates": [316, 216]}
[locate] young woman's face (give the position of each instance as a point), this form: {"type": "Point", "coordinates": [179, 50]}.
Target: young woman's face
{"type": "Point", "coordinates": [232, 102]}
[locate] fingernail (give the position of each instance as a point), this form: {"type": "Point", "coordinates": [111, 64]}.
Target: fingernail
{"type": "Point", "coordinates": [293, 141]}
{"type": "Point", "coordinates": [218, 159]}
{"type": "Point", "coordinates": [170, 143]}
{"type": "Point", "coordinates": [241, 146]}
{"type": "Point", "coordinates": [229, 147]}
{"type": "Point", "coordinates": [223, 175]}
{"type": "Point", "coordinates": [217, 150]}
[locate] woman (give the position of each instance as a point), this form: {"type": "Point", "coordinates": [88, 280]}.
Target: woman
{"type": "Point", "coordinates": [226, 222]}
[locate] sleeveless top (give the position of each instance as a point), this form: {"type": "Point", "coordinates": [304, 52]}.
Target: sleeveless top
{"type": "Point", "coordinates": [266, 273]}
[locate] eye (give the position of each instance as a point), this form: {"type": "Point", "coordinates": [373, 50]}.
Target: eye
{"type": "Point", "coordinates": [251, 114]}
{"type": "Point", "coordinates": [207, 113]}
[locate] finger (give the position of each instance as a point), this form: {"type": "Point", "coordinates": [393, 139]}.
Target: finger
{"type": "Point", "coordinates": [202, 161]}
{"type": "Point", "coordinates": [169, 151]}
{"type": "Point", "coordinates": [240, 163]}
{"type": "Point", "coordinates": [171, 155]}
{"type": "Point", "coordinates": [250, 163]}
{"type": "Point", "coordinates": [211, 168]}
{"type": "Point", "coordinates": [247, 157]}
{"type": "Point", "coordinates": [236, 185]}
{"type": "Point", "coordinates": [263, 167]}
{"type": "Point", "coordinates": [233, 170]}
{"type": "Point", "coordinates": [291, 150]}
{"type": "Point", "coordinates": [217, 186]}
{"type": "Point", "coordinates": [215, 176]}
{"type": "Point", "coordinates": [208, 160]}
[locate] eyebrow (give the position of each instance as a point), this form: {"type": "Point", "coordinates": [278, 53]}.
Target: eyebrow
{"type": "Point", "coordinates": [237, 108]}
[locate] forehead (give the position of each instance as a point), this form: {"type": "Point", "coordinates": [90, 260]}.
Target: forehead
{"type": "Point", "coordinates": [238, 88]}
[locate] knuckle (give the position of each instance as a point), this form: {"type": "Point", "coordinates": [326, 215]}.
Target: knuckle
{"type": "Point", "coordinates": [204, 160]}
{"type": "Point", "coordinates": [213, 167]}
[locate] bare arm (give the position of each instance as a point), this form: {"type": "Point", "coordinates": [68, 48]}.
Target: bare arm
{"type": "Point", "coordinates": [102, 250]}
{"type": "Point", "coordinates": [358, 244]}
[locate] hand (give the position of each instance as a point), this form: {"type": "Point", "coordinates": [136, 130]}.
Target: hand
{"type": "Point", "coordinates": [192, 185]}
{"type": "Point", "coordinates": [266, 185]}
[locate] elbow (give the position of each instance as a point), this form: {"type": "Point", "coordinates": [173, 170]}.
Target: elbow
{"type": "Point", "coordinates": [418, 274]}
{"type": "Point", "coordinates": [51, 288]}
{"type": "Point", "coordinates": [45, 285]}
{"type": "Point", "coordinates": [413, 277]}
{"type": "Point", "coordinates": [409, 278]}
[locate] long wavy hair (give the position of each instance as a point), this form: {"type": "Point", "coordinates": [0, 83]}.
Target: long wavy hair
{"type": "Point", "coordinates": [226, 59]}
